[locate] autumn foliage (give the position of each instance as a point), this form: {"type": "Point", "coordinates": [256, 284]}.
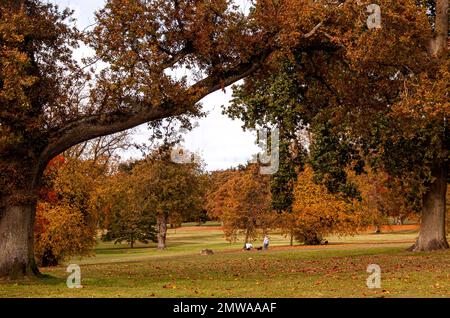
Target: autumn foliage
{"type": "Point", "coordinates": [66, 222]}
{"type": "Point", "coordinates": [243, 203]}
{"type": "Point", "coordinates": [122, 216]}
{"type": "Point", "coordinates": [370, 97]}
{"type": "Point", "coordinates": [316, 213]}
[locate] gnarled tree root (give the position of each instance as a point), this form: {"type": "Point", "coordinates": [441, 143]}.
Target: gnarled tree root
{"type": "Point", "coordinates": [432, 245]}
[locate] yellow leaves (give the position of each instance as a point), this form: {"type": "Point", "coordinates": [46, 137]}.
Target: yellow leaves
{"type": "Point", "coordinates": [64, 233]}
{"type": "Point", "coordinates": [66, 220]}
{"type": "Point", "coordinates": [316, 212]}
{"type": "Point", "coordinates": [242, 201]}
{"type": "Point", "coordinates": [12, 73]}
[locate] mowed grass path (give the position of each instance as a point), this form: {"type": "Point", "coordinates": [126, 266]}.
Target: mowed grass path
{"type": "Point", "coordinates": [335, 270]}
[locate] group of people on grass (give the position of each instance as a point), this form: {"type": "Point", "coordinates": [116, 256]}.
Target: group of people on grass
{"type": "Point", "coordinates": [249, 246]}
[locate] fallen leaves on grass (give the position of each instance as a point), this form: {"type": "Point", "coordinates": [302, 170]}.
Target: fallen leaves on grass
{"type": "Point", "coordinates": [169, 286]}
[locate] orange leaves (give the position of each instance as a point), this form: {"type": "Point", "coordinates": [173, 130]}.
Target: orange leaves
{"type": "Point", "coordinates": [316, 213]}
{"type": "Point", "coordinates": [217, 194]}
{"type": "Point", "coordinates": [66, 220]}
{"type": "Point", "coordinates": [425, 98]}
{"type": "Point", "coordinates": [383, 196]}
{"type": "Point", "coordinates": [243, 203]}
{"type": "Point", "coordinates": [64, 234]}
{"type": "Point", "coordinates": [297, 20]}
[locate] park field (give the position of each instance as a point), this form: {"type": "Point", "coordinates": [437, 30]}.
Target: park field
{"type": "Point", "coordinates": [335, 270]}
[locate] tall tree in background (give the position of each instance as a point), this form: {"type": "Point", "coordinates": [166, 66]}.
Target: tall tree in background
{"type": "Point", "coordinates": [49, 103]}
{"type": "Point", "coordinates": [168, 190]}
{"type": "Point", "coordinates": [123, 215]}
{"type": "Point", "coordinates": [214, 197]}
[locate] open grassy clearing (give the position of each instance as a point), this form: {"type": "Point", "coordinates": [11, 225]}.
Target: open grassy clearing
{"type": "Point", "coordinates": [335, 270]}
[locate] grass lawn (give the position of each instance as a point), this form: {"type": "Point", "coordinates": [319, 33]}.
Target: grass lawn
{"type": "Point", "coordinates": [335, 270]}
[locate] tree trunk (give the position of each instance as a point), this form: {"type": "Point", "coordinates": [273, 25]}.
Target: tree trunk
{"type": "Point", "coordinates": [432, 228]}
{"type": "Point", "coordinates": [16, 242]}
{"type": "Point", "coordinates": [247, 235]}
{"type": "Point", "coordinates": [438, 44]}
{"type": "Point", "coordinates": [21, 177]}
{"type": "Point", "coordinates": [432, 225]}
{"type": "Point", "coordinates": [162, 231]}
{"type": "Point", "coordinates": [292, 238]}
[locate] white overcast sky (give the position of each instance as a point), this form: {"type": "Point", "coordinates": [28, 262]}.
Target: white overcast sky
{"type": "Point", "coordinates": [221, 142]}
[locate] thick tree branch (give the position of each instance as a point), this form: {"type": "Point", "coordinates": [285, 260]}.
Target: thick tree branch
{"type": "Point", "coordinates": [105, 124]}
{"type": "Point", "coordinates": [221, 80]}
{"type": "Point", "coordinates": [100, 125]}
{"type": "Point", "coordinates": [439, 43]}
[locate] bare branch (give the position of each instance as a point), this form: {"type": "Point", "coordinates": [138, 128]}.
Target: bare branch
{"type": "Point", "coordinates": [313, 31]}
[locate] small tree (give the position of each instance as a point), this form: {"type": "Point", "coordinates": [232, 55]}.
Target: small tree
{"type": "Point", "coordinates": [125, 219]}
{"type": "Point", "coordinates": [66, 222]}
{"type": "Point", "coordinates": [243, 203]}
{"type": "Point", "coordinates": [317, 213]}
{"type": "Point", "coordinates": [169, 191]}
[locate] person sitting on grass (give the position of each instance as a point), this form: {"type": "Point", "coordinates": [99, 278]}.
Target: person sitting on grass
{"type": "Point", "coordinates": [248, 246]}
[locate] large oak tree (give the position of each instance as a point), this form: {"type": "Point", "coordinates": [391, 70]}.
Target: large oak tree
{"type": "Point", "coordinates": [49, 103]}
{"type": "Point", "coordinates": [378, 96]}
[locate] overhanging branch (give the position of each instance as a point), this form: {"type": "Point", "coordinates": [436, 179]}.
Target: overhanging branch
{"type": "Point", "coordinates": [94, 126]}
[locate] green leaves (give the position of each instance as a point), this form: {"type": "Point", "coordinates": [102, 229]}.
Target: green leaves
{"type": "Point", "coordinates": [330, 155]}
{"type": "Point", "coordinates": [147, 190]}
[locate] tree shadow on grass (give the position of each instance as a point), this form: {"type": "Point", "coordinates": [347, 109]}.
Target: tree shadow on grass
{"type": "Point", "coordinates": [113, 249]}
{"type": "Point", "coordinates": [50, 279]}
{"type": "Point", "coordinates": [44, 278]}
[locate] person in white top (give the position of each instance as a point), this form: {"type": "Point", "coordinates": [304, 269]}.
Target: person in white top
{"type": "Point", "coordinates": [248, 246]}
{"type": "Point", "coordinates": [266, 242]}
